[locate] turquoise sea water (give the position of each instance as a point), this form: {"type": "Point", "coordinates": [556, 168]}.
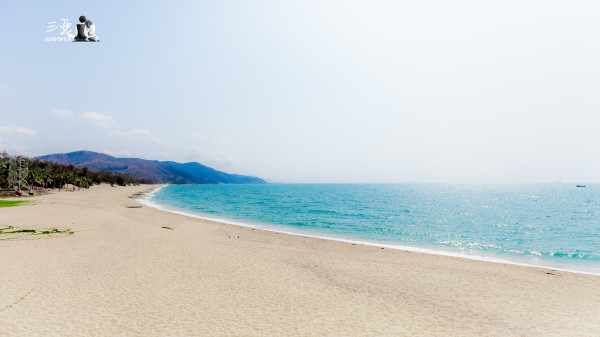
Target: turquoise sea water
{"type": "Point", "coordinates": [555, 226]}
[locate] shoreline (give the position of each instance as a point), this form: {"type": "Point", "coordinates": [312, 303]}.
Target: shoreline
{"type": "Point", "coordinates": [139, 271]}
{"type": "Point", "coordinates": [145, 200]}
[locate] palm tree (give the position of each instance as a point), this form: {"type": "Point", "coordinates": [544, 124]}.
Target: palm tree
{"type": "Point", "coordinates": [49, 179]}
{"type": "Point", "coordinates": [35, 176]}
{"type": "Point", "coordinates": [4, 173]}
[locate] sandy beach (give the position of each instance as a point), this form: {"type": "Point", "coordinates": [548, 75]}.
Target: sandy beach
{"type": "Point", "coordinates": [111, 269]}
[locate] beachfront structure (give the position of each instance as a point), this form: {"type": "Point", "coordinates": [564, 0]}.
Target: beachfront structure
{"type": "Point", "coordinates": [18, 171]}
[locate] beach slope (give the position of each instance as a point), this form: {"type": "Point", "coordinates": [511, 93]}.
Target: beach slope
{"type": "Point", "coordinates": [100, 264]}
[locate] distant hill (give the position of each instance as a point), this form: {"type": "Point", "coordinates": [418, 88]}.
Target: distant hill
{"type": "Point", "coordinates": [157, 171]}
{"type": "Point", "coordinates": [210, 174]}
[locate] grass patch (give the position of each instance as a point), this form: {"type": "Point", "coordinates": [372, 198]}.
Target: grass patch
{"type": "Point", "coordinates": [11, 203]}
{"type": "Point", "coordinates": [6, 228]}
{"type": "Point", "coordinates": [54, 230]}
{"type": "Point", "coordinates": [165, 227]}
{"type": "Point", "coordinates": [9, 230]}
{"type": "Point", "coordinates": [22, 231]}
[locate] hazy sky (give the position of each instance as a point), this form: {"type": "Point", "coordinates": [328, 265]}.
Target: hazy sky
{"type": "Point", "coordinates": [313, 91]}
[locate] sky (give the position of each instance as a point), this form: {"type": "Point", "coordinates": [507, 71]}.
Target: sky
{"type": "Point", "coordinates": [323, 91]}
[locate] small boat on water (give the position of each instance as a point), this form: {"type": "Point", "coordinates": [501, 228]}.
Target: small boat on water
{"type": "Point", "coordinates": [580, 185]}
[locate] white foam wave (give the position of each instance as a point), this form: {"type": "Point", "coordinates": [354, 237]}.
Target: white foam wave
{"type": "Point", "coordinates": [146, 200]}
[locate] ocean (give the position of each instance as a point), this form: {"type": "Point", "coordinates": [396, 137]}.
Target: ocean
{"type": "Point", "coordinates": [555, 226]}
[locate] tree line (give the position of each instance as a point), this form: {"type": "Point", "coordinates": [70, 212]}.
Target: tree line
{"type": "Point", "coordinates": [47, 174]}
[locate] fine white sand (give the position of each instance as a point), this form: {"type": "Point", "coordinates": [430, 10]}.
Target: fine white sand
{"type": "Point", "coordinates": [121, 274]}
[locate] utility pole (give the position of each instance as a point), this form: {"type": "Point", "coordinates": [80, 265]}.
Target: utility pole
{"type": "Point", "coordinates": [18, 172]}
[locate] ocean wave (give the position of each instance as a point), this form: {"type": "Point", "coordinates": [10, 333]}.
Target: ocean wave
{"type": "Point", "coordinates": [504, 231]}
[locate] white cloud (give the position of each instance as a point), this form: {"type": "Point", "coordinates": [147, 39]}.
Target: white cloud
{"type": "Point", "coordinates": [197, 150]}
{"type": "Point", "coordinates": [62, 113]}
{"type": "Point", "coordinates": [219, 159]}
{"type": "Point", "coordinates": [132, 133]}
{"type": "Point", "coordinates": [141, 132]}
{"type": "Point", "coordinates": [225, 140]}
{"type": "Point", "coordinates": [197, 135]}
{"type": "Point", "coordinates": [107, 151]}
{"type": "Point", "coordinates": [15, 149]}
{"type": "Point", "coordinates": [17, 130]}
{"type": "Point", "coordinates": [118, 154]}
{"type": "Point", "coordinates": [22, 149]}
{"type": "Point", "coordinates": [136, 134]}
{"type": "Point", "coordinates": [99, 120]}
{"type": "Point", "coordinates": [160, 155]}
{"type": "Point", "coordinates": [222, 158]}
{"type": "Point", "coordinates": [123, 153]}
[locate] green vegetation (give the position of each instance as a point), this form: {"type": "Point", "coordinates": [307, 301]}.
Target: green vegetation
{"type": "Point", "coordinates": [49, 174]}
{"type": "Point", "coordinates": [11, 203]}
{"type": "Point", "coordinates": [165, 227]}
{"type": "Point", "coordinates": [54, 230]}
{"type": "Point", "coordinates": [17, 302]}
{"type": "Point", "coordinates": [12, 230]}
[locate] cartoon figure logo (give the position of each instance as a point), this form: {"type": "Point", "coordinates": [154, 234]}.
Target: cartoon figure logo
{"type": "Point", "coordinates": [86, 31]}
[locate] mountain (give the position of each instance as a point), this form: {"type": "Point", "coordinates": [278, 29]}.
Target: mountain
{"type": "Point", "coordinates": [157, 171]}
{"type": "Point", "coordinates": [210, 174]}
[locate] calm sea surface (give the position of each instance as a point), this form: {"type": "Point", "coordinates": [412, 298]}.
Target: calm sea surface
{"type": "Point", "coordinates": [555, 226]}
